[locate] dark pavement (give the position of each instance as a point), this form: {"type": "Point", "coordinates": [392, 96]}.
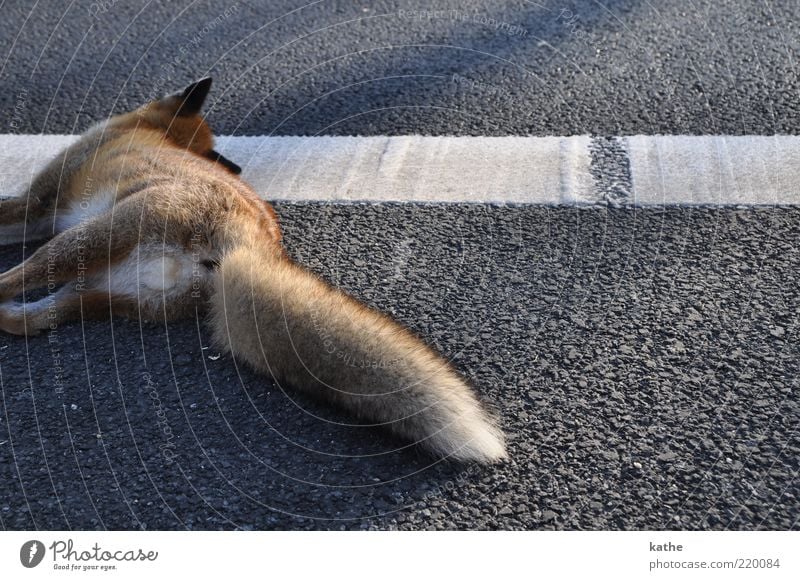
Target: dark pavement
{"type": "Point", "coordinates": [644, 362]}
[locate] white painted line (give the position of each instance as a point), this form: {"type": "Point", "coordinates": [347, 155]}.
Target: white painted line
{"type": "Point", "coordinates": [546, 170]}
{"type": "Point", "coordinates": [23, 156]}
{"type": "Point", "coordinates": [714, 170]}
{"type": "Point", "coordinates": [664, 170]}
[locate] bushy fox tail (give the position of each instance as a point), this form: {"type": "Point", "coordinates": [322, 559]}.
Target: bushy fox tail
{"type": "Point", "coordinates": [285, 321]}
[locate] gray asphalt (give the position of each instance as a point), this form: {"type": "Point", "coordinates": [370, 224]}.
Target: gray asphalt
{"type": "Point", "coordinates": [644, 362]}
{"type": "Point", "coordinates": [388, 68]}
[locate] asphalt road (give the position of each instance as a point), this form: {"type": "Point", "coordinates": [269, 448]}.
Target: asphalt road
{"type": "Point", "coordinates": [644, 362]}
{"type": "Point", "coordinates": [388, 68]}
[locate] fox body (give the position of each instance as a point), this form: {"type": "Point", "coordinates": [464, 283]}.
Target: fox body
{"type": "Point", "coordinates": [147, 221]}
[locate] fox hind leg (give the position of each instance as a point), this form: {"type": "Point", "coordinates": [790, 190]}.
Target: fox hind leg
{"type": "Point", "coordinates": [79, 251]}
{"type": "Point", "coordinates": [16, 210]}
{"type": "Point", "coordinates": [21, 222]}
{"type": "Point", "coordinates": [63, 306]}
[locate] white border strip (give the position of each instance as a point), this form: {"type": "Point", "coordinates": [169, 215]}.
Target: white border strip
{"type": "Point", "coordinates": [468, 555]}
{"type": "Point", "coordinates": [664, 170]}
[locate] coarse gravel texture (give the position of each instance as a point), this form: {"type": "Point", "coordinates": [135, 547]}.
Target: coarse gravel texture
{"type": "Point", "coordinates": [611, 170]}
{"type": "Point", "coordinates": [644, 363]}
{"type": "Point", "coordinates": [452, 67]}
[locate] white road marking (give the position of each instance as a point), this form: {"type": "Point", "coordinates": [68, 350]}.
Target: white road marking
{"type": "Point", "coordinates": [715, 170]}
{"type": "Point", "coordinates": [664, 170]}
{"type": "Point", "coordinates": [546, 170]}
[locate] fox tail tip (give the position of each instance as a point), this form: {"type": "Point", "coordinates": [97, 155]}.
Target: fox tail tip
{"type": "Point", "coordinates": [473, 439]}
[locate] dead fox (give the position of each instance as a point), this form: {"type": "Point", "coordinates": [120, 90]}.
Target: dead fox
{"type": "Point", "coordinates": [148, 221]}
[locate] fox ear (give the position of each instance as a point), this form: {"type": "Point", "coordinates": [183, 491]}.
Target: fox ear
{"type": "Point", "coordinates": [193, 97]}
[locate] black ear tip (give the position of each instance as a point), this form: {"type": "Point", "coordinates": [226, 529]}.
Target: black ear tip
{"type": "Point", "coordinates": [202, 86]}
{"type": "Point", "coordinates": [193, 97]}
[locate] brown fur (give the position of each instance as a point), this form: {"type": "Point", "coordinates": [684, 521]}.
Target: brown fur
{"type": "Point", "coordinates": [141, 216]}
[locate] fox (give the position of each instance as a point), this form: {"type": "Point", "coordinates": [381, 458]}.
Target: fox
{"type": "Point", "coordinates": [144, 219]}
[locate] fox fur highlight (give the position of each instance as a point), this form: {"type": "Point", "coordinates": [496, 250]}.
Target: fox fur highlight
{"type": "Point", "coordinates": [178, 203]}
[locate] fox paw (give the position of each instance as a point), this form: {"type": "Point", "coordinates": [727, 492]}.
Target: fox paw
{"type": "Point", "coordinates": [12, 321]}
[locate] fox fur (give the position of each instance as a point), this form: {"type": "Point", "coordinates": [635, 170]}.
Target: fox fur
{"type": "Point", "coordinates": [147, 221]}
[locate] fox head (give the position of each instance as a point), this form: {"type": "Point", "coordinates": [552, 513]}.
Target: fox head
{"type": "Point", "coordinates": [178, 115]}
